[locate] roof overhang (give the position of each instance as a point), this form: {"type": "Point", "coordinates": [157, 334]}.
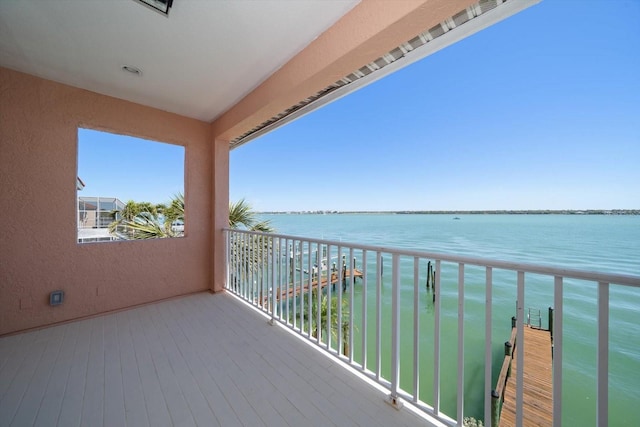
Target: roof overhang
{"type": "Point", "coordinates": [452, 28]}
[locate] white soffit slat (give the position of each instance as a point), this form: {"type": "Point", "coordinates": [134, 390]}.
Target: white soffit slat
{"type": "Point", "coordinates": [463, 24]}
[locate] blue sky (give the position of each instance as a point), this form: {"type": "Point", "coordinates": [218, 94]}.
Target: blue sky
{"type": "Point", "coordinates": [541, 111]}
{"type": "Point", "coordinates": [129, 168]}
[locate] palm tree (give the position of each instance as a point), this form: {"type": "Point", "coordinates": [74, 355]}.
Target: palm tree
{"type": "Point", "coordinates": [175, 210]}
{"type": "Point", "coordinates": [143, 220]}
{"type": "Point", "coordinates": [322, 327]}
{"type": "Point", "coordinates": [242, 216]}
{"type": "Point", "coordinates": [252, 251]}
{"type": "Point", "coordinates": [145, 225]}
{"type": "Point", "coordinates": [130, 210]}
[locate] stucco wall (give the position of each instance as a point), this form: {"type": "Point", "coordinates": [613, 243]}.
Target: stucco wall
{"type": "Point", "coordinates": [38, 250]}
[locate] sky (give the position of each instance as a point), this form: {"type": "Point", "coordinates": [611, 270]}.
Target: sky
{"type": "Point", "coordinates": [540, 111]}
{"type": "Point", "coordinates": [129, 168]}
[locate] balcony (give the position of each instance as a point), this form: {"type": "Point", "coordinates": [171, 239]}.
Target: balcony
{"type": "Point", "coordinates": [203, 359]}
{"type": "Point", "coordinates": [206, 359]}
{"type": "Point", "coordinates": [388, 327]}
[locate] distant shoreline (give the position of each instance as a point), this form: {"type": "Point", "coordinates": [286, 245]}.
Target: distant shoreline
{"type": "Point", "coordinates": [471, 212]}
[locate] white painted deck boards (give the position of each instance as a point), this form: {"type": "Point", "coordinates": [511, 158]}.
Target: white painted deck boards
{"type": "Point", "coordinates": [200, 360]}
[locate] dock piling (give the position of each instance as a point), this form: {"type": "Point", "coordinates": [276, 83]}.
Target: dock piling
{"type": "Point", "coordinates": [495, 408]}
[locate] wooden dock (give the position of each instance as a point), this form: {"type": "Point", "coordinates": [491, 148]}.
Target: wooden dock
{"type": "Point", "coordinates": [537, 399]}
{"type": "Point", "coordinates": [292, 290]}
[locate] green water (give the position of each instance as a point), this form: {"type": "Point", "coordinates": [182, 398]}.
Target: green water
{"type": "Point", "coordinates": [595, 243]}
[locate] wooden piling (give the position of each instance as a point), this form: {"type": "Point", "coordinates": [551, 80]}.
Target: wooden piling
{"type": "Point", "coordinates": [508, 351]}
{"type": "Point", "coordinates": [495, 408]}
{"type": "Point", "coordinates": [433, 279]}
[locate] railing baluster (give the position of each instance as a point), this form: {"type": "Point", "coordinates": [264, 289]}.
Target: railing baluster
{"type": "Point", "coordinates": [602, 406]}
{"type": "Point", "coordinates": [556, 335]}
{"type": "Point", "coordinates": [246, 267]}
{"type": "Point", "coordinates": [289, 280]}
{"type": "Point", "coordinates": [488, 358]}
{"type": "Point", "coordinates": [520, 351]}
{"type": "Point", "coordinates": [318, 296]}
{"type": "Point", "coordinates": [264, 276]}
{"type": "Point", "coordinates": [257, 267]}
{"type": "Point", "coordinates": [243, 263]}
{"type": "Point", "coordinates": [364, 310]}
{"type": "Point", "coordinates": [352, 282]}
{"type": "Point", "coordinates": [240, 266]}
{"type": "Point", "coordinates": [395, 329]}
{"type": "Point", "coordinates": [436, 339]}
{"type": "Point", "coordinates": [273, 280]}
{"type": "Point", "coordinates": [329, 286]}
{"type": "Point", "coordinates": [280, 282]}
{"type": "Point", "coordinates": [267, 271]}
{"type": "Point", "coordinates": [230, 255]}
{"type": "Point", "coordinates": [416, 328]}
{"type": "Point", "coordinates": [460, 407]}
{"type": "Point", "coordinates": [300, 295]}
{"type": "Point", "coordinates": [340, 291]}
{"type": "Point", "coordinates": [294, 298]}
{"type": "Point", "coordinates": [309, 295]}
{"type": "Point", "coordinates": [293, 284]}
{"type": "Point", "coordinates": [236, 262]}
{"type": "Point", "coordinates": [252, 268]}
{"type": "Point", "coordinates": [378, 313]}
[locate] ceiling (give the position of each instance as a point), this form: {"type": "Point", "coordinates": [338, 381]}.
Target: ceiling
{"type": "Point", "coordinates": [197, 62]}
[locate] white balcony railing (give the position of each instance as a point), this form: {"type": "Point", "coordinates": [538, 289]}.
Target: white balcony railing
{"type": "Point", "coordinates": [371, 307]}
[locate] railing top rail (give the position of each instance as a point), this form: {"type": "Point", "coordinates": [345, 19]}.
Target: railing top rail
{"type": "Point", "coordinates": [618, 279]}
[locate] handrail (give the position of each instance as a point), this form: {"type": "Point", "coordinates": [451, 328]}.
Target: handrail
{"type": "Point", "coordinates": [618, 279]}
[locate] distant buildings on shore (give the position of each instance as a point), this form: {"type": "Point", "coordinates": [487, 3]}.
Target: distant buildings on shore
{"type": "Point", "coordinates": [473, 212]}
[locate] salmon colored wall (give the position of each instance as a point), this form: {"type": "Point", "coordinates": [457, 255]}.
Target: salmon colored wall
{"type": "Point", "coordinates": [38, 250]}
{"type": "Point", "coordinates": [220, 215]}
{"type": "Point", "coordinates": [38, 129]}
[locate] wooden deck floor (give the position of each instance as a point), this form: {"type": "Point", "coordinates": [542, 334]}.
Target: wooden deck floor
{"type": "Point", "coordinates": [537, 403]}
{"type": "Point", "coordinates": [199, 360]}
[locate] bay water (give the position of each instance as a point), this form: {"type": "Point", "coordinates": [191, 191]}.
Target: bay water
{"type": "Point", "coordinates": [601, 243]}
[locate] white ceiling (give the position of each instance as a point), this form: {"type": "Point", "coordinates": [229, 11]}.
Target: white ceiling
{"type": "Point", "coordinates": [198, 62]}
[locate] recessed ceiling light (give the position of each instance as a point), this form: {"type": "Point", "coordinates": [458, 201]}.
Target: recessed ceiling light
{"type": "Point", "coordinates": [132, 70]}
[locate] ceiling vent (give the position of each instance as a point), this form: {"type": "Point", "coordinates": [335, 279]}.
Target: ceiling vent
{"type": "Point", "coordinates": [161, 6]}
